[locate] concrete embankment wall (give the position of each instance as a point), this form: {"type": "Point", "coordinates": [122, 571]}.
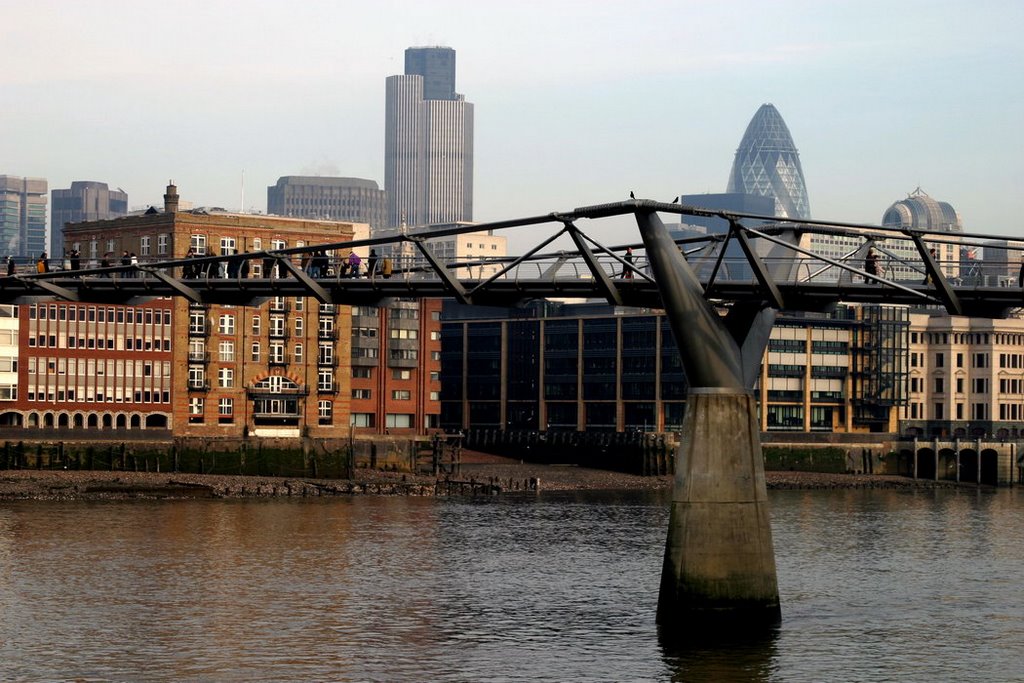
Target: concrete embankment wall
{"type": "Point", "coordinates": [251, 456]}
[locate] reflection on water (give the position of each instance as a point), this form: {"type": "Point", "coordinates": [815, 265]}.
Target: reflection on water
{"type": "Point", "coordinates": [876, 586]}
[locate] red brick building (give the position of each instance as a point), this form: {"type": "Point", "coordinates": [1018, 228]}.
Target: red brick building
{"type": "Point", "coordinates": [290, 367]}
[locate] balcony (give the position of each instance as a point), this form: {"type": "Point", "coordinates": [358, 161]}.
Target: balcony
{"type": "Point", "coordinates": [279, 360]}
{"type": "Point", "coordinates": [281, 333]}
{"type": "Point", "coordinates": [280, 308]}
{"type": "Point", "coordinates": [198, 385]}
{"type": "Point", "coordinates": [198, 356]}
{"type": "Point", "coordinates": [327, 335]}
{"type": "Point", "coordinates": [327, 388]}
{"type": "Point", "coordinates": [199, 330]}
{"type": "Point", "coordinates": [331, 362]}
{"type": "Point", "coordinates": [283, 392]}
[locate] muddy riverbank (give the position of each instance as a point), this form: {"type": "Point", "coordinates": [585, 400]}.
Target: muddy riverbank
{"type": "Point", "coordinates": [488, 474]}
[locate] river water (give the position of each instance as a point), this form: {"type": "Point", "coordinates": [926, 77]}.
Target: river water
{"type": "Point", "coordinates": [875, 585]}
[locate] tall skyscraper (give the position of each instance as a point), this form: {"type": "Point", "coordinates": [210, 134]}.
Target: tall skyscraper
{"type": "Point", "coordinates": [22, 215]}
{"type": "Point", "coordinates": [325, 198]}
{"type": "Point", "coordinates": [85, 200]}
{"type": "Point", "coordinates": [428, 142]}
{"type": "Point", "coordinates": [767, 163]}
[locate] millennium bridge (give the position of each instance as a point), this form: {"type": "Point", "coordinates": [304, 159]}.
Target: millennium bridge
{"type": "Point", "coordinates": [721, 293]}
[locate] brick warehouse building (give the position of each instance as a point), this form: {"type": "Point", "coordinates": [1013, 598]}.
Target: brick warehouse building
{"type": "Point", "coordinates": [290, 367]}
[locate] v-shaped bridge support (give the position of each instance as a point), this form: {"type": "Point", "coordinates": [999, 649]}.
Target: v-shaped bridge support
{"type": "Point", "coordinates": [719, 567]}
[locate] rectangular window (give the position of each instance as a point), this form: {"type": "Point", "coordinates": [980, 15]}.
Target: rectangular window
{"type": "Point", "coordinates": [144, 248]}
{"type": "Point", "coordinates": [227, 351]}
{"type": "Point", "coordinates": [198, 244]}
{"type": "Point", "coordinates": [161, 244]}
{"type": "Point", "coordinates": [325, 381]}
{"type": "Point", "coordinates": [226, 378]}
{"type": "Point", "coordinates": [254, 355]}
{"type": "Point", "coordinates": [227, 324]}
{"type": "Point", "coordinates": [401, 394]}
{"type": "Point", "coordinates": [195, 409]}
{"type": "Point", "coordinates": [361, 393]}
{"type": "Point", "coordinates": [398, 420]}
{"type": "Point", "coordinates": [401, 374]}
{"type": "Point", "coordinates": [361, 373]}
{"type": "Point", "coordinates": [325, 412]}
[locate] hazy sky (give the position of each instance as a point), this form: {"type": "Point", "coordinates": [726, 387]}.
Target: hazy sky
{"type": "Point", "coordinates": [577, 102]}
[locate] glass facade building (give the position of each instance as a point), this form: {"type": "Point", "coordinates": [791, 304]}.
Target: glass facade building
{"type": "Point", "coordinates": [428, 142]}
{"type": "Point", "coordinates": [598, 369]}
{"type": "Point", "coordinates": [767, 164]}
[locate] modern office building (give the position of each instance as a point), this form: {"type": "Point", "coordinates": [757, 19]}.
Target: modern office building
{"type": "Point", "coordinates": [23, 229]}
{"type": "Point", "coordinates": [326, 198]}
{"type": "Point", "coordinates": [595, 368]}
{"type": "Point", "coordinates": [428, 142]}
{"type": "Point", "coordinates": [767, 163]}
{"type": "Point", "coordinates": [1001, 261]}
{"type": "Point", "coordinates": [289, 368]}
{"type": "Point", "coordinates": [85, 200]}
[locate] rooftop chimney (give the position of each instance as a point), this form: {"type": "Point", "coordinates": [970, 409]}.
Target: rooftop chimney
{"type": "Point", "coordinates": [171, 198]}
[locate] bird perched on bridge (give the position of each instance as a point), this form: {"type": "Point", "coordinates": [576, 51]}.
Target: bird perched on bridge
{"type": "Point", "coordinates": [631, 195]}
{"type": "Point", "coordinates": [674, 201]}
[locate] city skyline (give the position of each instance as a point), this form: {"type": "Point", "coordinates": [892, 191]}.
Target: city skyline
{"type": "Point", "coordinates": [560, 123]}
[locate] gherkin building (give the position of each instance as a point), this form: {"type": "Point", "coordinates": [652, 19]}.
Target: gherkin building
{"type": "Point", "coordinates": [767, 164]}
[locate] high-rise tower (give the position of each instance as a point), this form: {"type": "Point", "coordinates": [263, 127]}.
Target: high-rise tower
{"type": "Point", "coordinates": [85, 200]}
{"type": "Point", "coordinates": [768, 164]}
{"type": "Point", "coordinates": [428, 142]}
{"type": "Point", "coordinates": [23, 216]}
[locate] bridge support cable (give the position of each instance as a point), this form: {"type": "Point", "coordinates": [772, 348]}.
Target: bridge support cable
{"type": "Point", "coordinates": [450, 282]}
{"type": "Point", "coordinates": [49, 287]}
{"type": "Point", "coordinates": [839, 264]}
{"type": "Point", "coordinates": [936, 278]}
{"type": "Point", "coordinates": [175, 284]}
{"type": "Point", "coordinates": [764, 278]}
{"type": "Point", "coordinates": [858, 255]}
{"type": "Point", "coordinates": [719, 568]}
{"type": "Point", "coordinates": [601, 279]}
{"type": "Point", "coordinates": [516, 262]}
{"type": "Point", "coordinates": [314, 287]}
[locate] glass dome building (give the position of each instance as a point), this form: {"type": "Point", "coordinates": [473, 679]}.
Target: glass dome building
{"type": "Point", "coordinates": [919, 211]}
{"type": "Point", "coordinates": [768, 164]}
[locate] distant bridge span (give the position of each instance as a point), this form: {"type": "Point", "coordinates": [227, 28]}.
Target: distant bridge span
{"type": "Point", "coordinates": [771, 264]}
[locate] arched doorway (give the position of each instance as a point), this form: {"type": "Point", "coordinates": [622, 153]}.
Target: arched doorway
{"type": "Point", "coordinates": [48, 420]}
{"type": "Point", "coordinates": [62, 421]}
{"type": "Point", "coordinates": [947, 465]}
{"type": "Point", "coordinates": [10, 419]}
{"type": "Point", "coordinates": [107, 421]}
{"type": "Point", "coordinates": [926, 464]}
{"type": "Point", "coordinates": [968, 465]}
{"type": "Point", "coordinates": [156, 421]}
{"type": "Point", "coordinates": [122, 421]}
{"type": "Point", "coordinates": [77, 421]}
{"type": "Point", "coordinates": [136, 422]}
{"type": "Point", "coordinates": [989, 467]}
{"type": "Point", "coordinates": [92, 421]}
{"type": "Point", "coordinates": [904, 463]}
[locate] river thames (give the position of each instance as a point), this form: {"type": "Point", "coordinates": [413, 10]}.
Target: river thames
{"type": "Point", "coordinates": [876, 585]}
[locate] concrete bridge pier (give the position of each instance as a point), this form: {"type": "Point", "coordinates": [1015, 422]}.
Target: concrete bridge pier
{"type": "Point", "coordinates": [719, 567]}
